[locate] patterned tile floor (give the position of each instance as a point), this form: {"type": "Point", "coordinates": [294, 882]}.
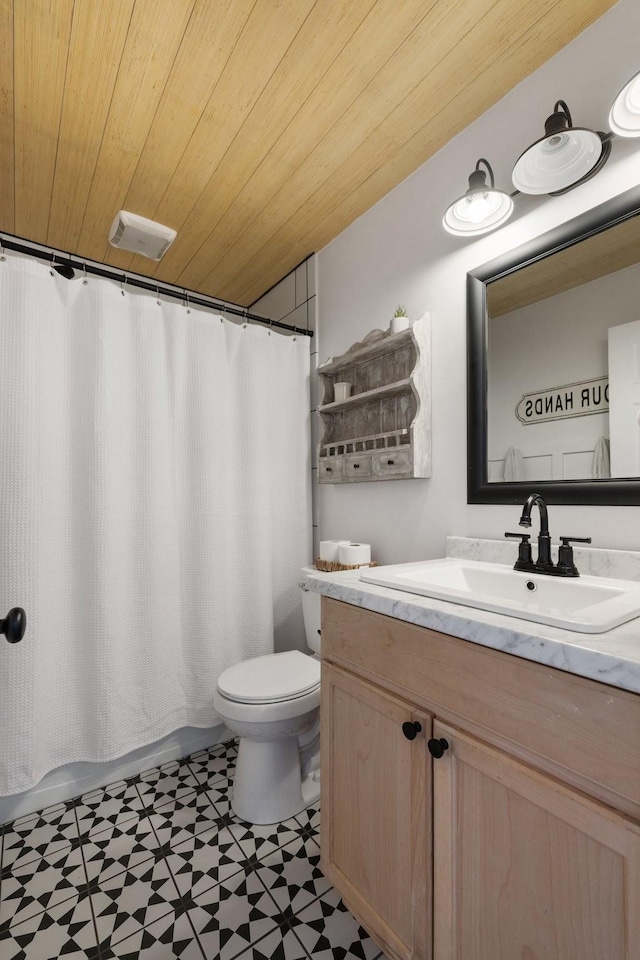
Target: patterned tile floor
{"type": "Point", "coordinates": [158, 866]}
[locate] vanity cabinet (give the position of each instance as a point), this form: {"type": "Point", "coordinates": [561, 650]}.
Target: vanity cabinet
{"type": "Point", "coordinates": [382, 431]}
{"type": "Point", "coordinates": [521, 842]}
{"type": "Point", "coordinates": [377, 813]}
{"type": "Point", "coordinates": [524, 866]}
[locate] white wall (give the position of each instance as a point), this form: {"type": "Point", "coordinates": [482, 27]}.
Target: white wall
{"type": "Point", "coordinates": [398, 253]}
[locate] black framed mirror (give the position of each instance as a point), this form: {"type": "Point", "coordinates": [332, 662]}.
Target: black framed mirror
{"type": "Point", "coordinates": [536, 303]}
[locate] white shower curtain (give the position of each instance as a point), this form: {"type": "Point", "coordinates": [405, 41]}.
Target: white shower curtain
{"type": "Point", "coordinates": [154, 512]}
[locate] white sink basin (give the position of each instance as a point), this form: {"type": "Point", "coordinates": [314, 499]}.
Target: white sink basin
{"type": "Point", "coordinates": [585, 604]}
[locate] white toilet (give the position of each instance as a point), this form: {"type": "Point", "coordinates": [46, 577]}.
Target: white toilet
{"type": "Point", "coordinates": [273, 704]}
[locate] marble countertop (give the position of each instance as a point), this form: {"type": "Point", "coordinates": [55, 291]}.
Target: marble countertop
{"type": "Point", "coordinates": [612, 657]}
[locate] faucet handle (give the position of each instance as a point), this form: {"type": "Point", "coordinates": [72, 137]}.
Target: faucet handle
{"type": "Point", "coordinates": [524, 550]}
{"type": "Point", "coordinates": [565, 555]}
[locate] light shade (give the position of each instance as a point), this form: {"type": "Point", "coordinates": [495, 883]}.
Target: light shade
{"type": "Point", "coordinates": [624, 118]}
{"type": "Point", "coordinates": [481, 209]}
{"type": "Point", "coordinates": [564, 157]}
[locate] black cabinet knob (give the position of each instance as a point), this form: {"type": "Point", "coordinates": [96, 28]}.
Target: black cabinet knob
{"type": "Point", "coordinates": [356, 466]}
{"type": "Point", "coordinates": [390, 462]}
{"type": "Point", "coordinates": [328, 469]}
{"type": "Point", "coordinates": [14, 625]}
{"type": "Point", "coordinates": [411, 729]}
{"type": "Point", "coordinates": [437, 747]}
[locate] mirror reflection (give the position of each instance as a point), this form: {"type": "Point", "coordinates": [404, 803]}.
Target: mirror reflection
{"type": "Point", "coordinates": [563, 363]}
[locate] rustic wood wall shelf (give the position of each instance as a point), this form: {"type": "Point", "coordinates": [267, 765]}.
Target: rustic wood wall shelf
{"type": "Point", "coordinates": [383, 430]}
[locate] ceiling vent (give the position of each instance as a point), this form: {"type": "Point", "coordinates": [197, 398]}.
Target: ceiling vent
{"type": "Point", "coordinates": [139, 235]}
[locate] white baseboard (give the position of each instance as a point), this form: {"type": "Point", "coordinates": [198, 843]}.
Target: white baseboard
{"type": "Point", "coordinates": [78, 778]}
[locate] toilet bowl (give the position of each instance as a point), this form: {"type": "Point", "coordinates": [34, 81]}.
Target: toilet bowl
{"type": "Point", "coordinates": [272, 704]}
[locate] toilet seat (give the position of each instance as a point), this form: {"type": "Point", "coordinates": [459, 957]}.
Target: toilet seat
{"type": "Point", "coordinates": [275, 678]}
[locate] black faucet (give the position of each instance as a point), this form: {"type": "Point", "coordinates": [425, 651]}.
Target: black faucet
{"type": "Point", "coordinates": [544, 564]}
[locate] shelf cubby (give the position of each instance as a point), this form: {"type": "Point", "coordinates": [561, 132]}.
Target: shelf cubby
{"type": "Point", "coordinates": [383, 430]}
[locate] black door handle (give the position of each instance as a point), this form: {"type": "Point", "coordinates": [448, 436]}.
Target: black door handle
{"type": "Point", "coordinates": [437, 747]}
{"type": "Point", "coordinates": [411, 729]}
{"type": "Point", "coordinates": [14, 625]}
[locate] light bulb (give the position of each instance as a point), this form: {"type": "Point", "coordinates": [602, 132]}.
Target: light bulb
{"type": "Point", "coordinates": [481, 208]}
{"type": "Point", "coordinates": [480, 205]}
{"type": "Point", "coordinates": [478, 212]}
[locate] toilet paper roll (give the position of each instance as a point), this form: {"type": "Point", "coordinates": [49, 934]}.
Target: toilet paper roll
{"type": "Point", "coordinates": [329, 549]}
{"type": "Point", "coordinates": [351, 554]}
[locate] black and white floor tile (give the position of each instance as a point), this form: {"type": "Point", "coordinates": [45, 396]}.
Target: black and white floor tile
{"type": "Point", "coordinates": [158, 866]}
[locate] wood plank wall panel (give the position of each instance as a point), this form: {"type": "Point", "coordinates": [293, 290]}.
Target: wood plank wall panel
{"type": "Point", "coordinates": [263, 43]}
{"type": "Point", "coordinates": [359, 129]}
{"type": "Point", "coordinates": [154, 37]}
{"type": "Point", "coordinates": [469, 38]}
{"type": "Point", "coordinates": [325, 217]}
{"type": "Point", "coordinates": [607, 252]}
{"type": "Point", "coordinates": [98, 34]}
{"type": "Point", "coordinates": [358, 143]}
{"type": "Point", "coordinates": [211, 35]}
{"type": "Point", "coordinates": [496, 48]}
{"type": "Point", "coordinates": [7, 151]}
{"type": "Point", "coordinates": [41, 29]}
{"type": "Point", "coordinates": [295, 150]}
{"type": "Point", "coordinates": [258, 128]}
{"type": "Point", "coordinates": [280, 109]}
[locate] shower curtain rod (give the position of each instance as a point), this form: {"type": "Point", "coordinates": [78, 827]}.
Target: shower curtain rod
{"type": "Point", "coordinates": [64, 264]}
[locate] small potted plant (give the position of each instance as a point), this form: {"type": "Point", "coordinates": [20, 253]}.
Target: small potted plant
{"type": "Point", "coordinates": [400, 320]}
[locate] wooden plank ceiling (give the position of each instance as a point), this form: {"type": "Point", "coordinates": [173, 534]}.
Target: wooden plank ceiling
{"type": "Point", "coordinates": [258, 129]}
{"type": "Point", "coordinates": [606, 252]}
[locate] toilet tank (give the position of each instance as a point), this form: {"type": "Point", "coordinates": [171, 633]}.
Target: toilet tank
{"type": "Point", "coordinates": [311, 612]}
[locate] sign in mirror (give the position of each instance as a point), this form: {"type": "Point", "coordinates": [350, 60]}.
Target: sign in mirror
{"type": "Point", "coordinates": [563, 363]}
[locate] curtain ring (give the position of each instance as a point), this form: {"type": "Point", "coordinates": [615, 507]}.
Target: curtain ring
{"type": "Point", "coordinates": [186, 301]}
{"type": "Point", "coordinates": [84, 273]}
{"type": "Point", "coordinates": [51, 270]}
{"type": "Point", "coordinates": [123, 283]}
{"type": "Point", "coordinates": [2, 256]}
{"type": "Point", "coordinates": [158, 300]}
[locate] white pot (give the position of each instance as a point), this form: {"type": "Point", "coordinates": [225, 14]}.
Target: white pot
{"type": "Point", "coordinates": [399, 323]}
{"type": "Point", "coordinates": [341, 390]}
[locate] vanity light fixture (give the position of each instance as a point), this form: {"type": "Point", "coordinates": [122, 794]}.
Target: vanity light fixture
{"type": "Point", "coordinates": [563, 158]}
{"type": "Point", "coordinates": [481, 208]}
{"type": "Point", "coordinates": [624, 118]}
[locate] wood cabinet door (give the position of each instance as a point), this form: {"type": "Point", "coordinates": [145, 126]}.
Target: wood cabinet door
{"type": "Point", "coordinates": [376, 811]}
{"type": "Point", "coordinates": [526, 868]}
